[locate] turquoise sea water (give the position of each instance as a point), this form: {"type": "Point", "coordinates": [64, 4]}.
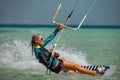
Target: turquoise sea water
{"type": "Point", "coordinates": [85, 46]}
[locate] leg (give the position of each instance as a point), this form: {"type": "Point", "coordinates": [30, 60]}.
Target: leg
{"type": "Point", "coordinates": [71, 66]}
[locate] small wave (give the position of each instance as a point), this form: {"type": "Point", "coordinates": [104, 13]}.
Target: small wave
{"type": "Point", "coordinates": [18, 55]}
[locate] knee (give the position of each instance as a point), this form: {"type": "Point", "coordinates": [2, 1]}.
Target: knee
{"type": "Point", "coordinates": [77, 66]}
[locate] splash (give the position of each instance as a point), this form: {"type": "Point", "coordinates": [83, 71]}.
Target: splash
{"type": "Point", "coordinates": [17, 55]}
{"type": "Point", "coordinates": [73, 56]}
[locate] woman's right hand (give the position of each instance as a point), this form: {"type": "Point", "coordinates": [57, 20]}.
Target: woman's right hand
{"type": "Point", "coordinates": [61, 26]}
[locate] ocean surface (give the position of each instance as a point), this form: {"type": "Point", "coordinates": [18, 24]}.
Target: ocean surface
{"type": "Point", "coordinates": [94, 46]}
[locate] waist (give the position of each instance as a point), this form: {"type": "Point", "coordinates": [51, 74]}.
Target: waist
{"type": "Point", "coordinates": [54, 66]}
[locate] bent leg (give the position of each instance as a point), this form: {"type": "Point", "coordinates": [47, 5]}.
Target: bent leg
{"type": "Point", "coordinates": [72, 66]}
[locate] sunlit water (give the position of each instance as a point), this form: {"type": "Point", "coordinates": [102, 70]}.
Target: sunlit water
{"type": "Point", "coordinates": [85, 46]}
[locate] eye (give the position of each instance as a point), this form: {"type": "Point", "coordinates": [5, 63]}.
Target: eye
{"type": "Point", "coordinates": [41, 38]}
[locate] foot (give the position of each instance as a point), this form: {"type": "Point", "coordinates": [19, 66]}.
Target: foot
{"type": "Point", "coordinates": [101, 70]}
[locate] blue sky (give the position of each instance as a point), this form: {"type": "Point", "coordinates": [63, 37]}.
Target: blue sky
{"type": "Point", "coordinates": [104, 12]}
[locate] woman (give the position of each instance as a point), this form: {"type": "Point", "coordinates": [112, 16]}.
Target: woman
{"type": "Point", "coordinates": [51, 59]}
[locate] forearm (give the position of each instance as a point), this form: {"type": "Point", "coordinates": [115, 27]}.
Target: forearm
{"type": "Point", "coordinates": [51, 37]}
{"type": "Point", "coordinates": [56, 31]}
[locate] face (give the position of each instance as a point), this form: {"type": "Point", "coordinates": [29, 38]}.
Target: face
{"type": "Point", "coordinates": [38, 40]}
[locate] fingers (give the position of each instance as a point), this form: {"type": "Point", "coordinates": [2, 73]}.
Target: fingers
{"type": "Point", "coordinates": [61, 26]}
{"type": "Point", "coordinates": [52, 51]}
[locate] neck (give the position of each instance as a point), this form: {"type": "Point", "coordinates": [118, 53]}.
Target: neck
{"type": "Point", "coordinates": [37, 45]}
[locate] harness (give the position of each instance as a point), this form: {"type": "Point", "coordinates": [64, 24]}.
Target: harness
{"type": "Point", "coordinates": [51, 59]}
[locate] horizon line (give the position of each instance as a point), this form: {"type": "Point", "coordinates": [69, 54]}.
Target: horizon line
{"type": "Point", "coordinates": [42, 25]}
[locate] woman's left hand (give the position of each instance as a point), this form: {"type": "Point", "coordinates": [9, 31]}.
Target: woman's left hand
{"type": "Point", "coordinates": [52, 51]}
{"type": "Point", "coordinates": [61, 26]}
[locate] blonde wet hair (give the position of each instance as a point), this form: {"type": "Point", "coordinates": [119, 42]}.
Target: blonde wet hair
{"type": "Point", "coordinates": [32, 43]}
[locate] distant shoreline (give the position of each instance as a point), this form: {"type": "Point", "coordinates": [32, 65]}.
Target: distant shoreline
{"type": "Point", "coordinates": [51, 26]}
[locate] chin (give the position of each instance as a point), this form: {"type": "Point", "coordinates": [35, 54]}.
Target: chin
{"type": "Point", "coordinates": [40, 44]}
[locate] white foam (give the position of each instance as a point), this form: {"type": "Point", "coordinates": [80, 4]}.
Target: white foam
{"type": "Point", "coordinates": [18, 55]}
{"type": "Point", "coordinates": [110, 71]}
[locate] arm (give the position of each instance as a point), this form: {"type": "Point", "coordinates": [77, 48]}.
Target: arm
{"type": "Point", "coordinates": [52, 35]}
{"type": "Point", "coordinates": [40, 56]}
{"type": "Point", "coordinates": [43, 59]}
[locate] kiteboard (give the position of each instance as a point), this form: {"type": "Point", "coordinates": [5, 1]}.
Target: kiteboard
{"type": "Point", "coordinates": [107, 70]}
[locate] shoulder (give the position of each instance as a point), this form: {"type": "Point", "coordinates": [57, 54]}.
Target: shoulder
{"type": "Point", "coordinates": [37, 50]}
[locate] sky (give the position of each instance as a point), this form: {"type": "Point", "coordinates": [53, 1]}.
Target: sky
{"type": "Point", "coordinates": [40, 12]}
